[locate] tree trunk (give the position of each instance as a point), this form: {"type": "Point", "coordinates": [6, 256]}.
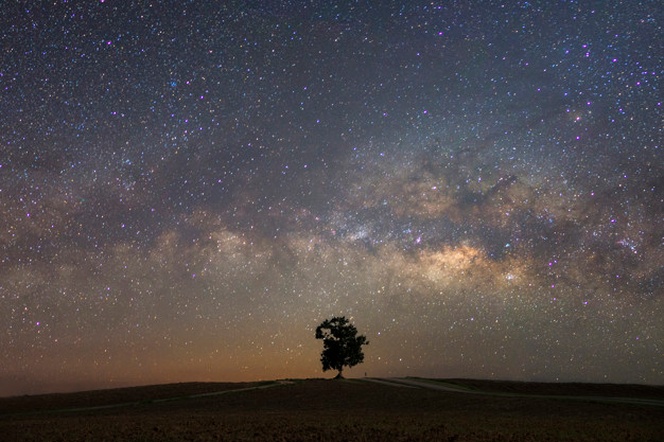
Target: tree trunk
{"type": "Point", "coordinates": [339, 375]}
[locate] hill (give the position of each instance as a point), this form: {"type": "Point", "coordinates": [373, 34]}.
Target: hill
{"type": "Point", "coordinates": [353, 409]}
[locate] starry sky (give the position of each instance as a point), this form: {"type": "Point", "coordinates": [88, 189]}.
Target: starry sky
{"type": "Point", "coordinates": [188, 188]}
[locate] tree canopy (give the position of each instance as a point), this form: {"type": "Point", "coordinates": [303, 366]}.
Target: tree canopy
{"type": "Point", "coordinates": [342, 347]}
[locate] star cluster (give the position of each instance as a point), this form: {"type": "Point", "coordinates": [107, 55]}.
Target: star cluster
{"type": "Point", "coordinates": [188, 188]}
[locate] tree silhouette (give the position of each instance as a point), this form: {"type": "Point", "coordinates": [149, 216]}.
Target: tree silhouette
{"type": "Point", "coordinates": [341, 345]}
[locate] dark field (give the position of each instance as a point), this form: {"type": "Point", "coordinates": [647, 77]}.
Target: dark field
{"type": "Point", "coordinates": [346, 410]}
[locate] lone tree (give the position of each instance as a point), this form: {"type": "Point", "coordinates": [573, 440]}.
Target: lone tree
{"type": "Point", "coordinates": [341, 345]}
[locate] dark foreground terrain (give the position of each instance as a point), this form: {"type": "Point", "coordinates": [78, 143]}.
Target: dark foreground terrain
{"type": "Point", "coordinates": [341, 410]}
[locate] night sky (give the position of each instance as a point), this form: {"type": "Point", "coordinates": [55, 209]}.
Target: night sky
{"type": "Point", "coordinates": [188, 188]}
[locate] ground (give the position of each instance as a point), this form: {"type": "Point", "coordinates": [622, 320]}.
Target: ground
{"type": "Point", "coordinates": [350, 409]}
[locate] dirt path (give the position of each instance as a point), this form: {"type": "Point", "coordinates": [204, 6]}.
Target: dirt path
{"type": "Point", "coordinates": [149, 401]}
{"type": "Point", "coordinates": [441, 386]}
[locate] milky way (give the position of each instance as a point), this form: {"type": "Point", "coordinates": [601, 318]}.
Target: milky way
{"type": "Point", "coordinates": [188, 188]}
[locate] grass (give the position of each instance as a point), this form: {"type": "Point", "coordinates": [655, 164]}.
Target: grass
{"type": "Point", "coordinates": [327, 410]}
